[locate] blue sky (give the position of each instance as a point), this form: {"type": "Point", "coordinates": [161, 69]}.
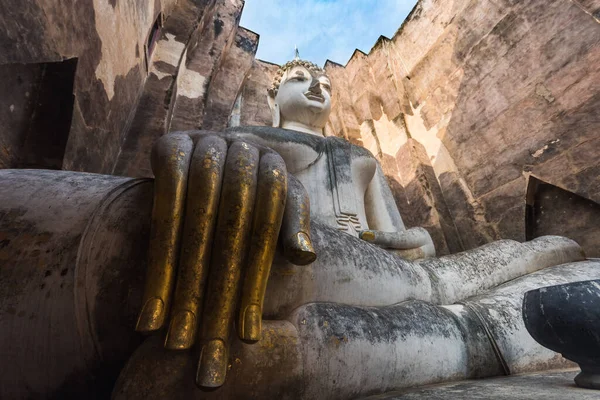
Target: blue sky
{"type": "Point", "coordinates": [322, 29]}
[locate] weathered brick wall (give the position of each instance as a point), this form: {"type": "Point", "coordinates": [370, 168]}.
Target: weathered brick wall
{"type": "Point", "coordinates": [495, 92]}
{"type": "Point", "coordinates": [196, 75]}
{"type": "Point", "coordinates": [251, 106]}
{"type": "Point", "coordinates": [124, 97]}
{"type": "Point", "coordinates": [107, 38]}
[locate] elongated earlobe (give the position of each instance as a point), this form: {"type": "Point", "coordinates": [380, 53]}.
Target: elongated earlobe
{"type": "Point", "coordinates": [275, 112]}
{"type": "Point", "coordinates": [276, 116]}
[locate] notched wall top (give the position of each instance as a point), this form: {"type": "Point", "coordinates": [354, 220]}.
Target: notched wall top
{"type": "Point", "coordinates": [494, 92]}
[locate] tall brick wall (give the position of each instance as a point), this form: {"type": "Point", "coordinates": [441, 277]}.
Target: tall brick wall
{"type": "Point", "coordinates": [142, 69]}
{"type": "Point", "coordinates": [495, 92]}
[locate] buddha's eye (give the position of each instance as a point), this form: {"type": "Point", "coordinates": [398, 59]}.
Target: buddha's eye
{"type": "Point", "coordinates": [326, 86]}
{"type": "Point", "coordinates": [300, 78]}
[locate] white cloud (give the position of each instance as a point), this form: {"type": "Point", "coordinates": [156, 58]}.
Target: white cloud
{"type": "Point", "coordinates": [322, 29]}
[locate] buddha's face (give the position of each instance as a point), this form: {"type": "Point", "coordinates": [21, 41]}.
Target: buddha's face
{"type": "Point", "coordinates": [304, 97]}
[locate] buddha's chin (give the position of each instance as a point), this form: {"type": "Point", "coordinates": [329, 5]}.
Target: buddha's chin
{"type": "Point", "coordinates": [316, 107]}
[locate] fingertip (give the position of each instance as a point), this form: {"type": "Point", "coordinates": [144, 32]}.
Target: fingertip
{"type": "Point", "coordinates": [251, 323]}
{"type": "Point", "coordinates": [367, 236]}
{"type": "Point", "coordinates": [152, 315]}
{"type": "Point", "coordinates": [212, 366]}
{"type": "Point", "coordinates": [300, 251]}
{"type": "Point", "coordinates": [181, 331]}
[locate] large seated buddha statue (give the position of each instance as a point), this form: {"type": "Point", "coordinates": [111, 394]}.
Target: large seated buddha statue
{"type": "Point", "coordinates": [278, 267]}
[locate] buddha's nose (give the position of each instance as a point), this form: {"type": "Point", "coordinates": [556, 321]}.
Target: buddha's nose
{"type": "Point", "coordinates": [315, 86]}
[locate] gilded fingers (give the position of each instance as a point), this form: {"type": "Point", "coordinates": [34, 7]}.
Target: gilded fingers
{"type": "Point", "coordinates": [170, 163]}
{"type": "Point", "coordinates": [268, 215]}
{"type": "Point", "coordinates": [203, 193]}
{"type": "Point", "coordinates": [230, 248]}
{"type": "Point", "coordinates": [236, 200]}
{"type": "Point", "coordinates": [295, 231]}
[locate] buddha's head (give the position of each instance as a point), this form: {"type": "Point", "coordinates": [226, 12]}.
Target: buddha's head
{"type": "Point", "coordinates": [300, 97]}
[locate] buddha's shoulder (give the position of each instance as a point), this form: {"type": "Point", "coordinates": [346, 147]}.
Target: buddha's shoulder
{"type": "Point", "coordinates": [279, 135]}
{"type": "Point", "coordinates": [356, 151]}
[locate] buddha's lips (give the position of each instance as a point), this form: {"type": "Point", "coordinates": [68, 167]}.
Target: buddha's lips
{"type": "Point", "coordinates": [314, 96]}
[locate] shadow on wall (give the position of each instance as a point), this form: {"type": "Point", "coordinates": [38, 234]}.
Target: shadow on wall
{"type": "Point", "coordinates": [555, 211]}
{"type": "Point", "coordinates": [522, 104]}
{"type": "Point", "coordinates": [35, 113]}
{"type": "Point", "coordinates": [496, 92]}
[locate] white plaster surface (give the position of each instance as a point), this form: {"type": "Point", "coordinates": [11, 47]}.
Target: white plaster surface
{"type": "Point", "coordinates": [190, 84]}
{"type": "Point", "coordinates": [114, 24]}
{"type": "Point", "coordinates": [391, 136]}
{"type": "Point", "coordinates": [169, 51]}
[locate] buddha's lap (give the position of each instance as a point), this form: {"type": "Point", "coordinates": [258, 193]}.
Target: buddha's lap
{"type": "Point", "coordinates": [348, 270]}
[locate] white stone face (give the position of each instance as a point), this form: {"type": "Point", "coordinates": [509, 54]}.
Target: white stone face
{"type": "Point", "coordinates": [303, 102]}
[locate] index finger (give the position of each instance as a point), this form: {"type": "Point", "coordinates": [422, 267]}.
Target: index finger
{"type": "Point", "coordinates": [170, 163]}
{"type": "Point", "coordinates": [270, 204]}
{"type": "Point", "coordinates": [295, 230]}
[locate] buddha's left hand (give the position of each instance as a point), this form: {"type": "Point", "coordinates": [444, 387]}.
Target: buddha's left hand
{"type": "Point", "coordinates": [406, 240]}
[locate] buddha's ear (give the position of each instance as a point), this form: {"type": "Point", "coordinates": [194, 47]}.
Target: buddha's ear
{"type": "Point", "coordinates": [275, 112]}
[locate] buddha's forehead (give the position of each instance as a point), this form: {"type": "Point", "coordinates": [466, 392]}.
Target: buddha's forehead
{"type": "Point", "coordinates": [300, 70]}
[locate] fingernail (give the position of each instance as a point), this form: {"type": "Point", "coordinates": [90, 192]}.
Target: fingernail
{"type": "Point", "coordinates": [181, 332]}
{"type": "Point", "coordinates": [304, 253]}
{"type": "Point", "coordinates": [213, 364]}
{"type": "Point", "coordinates": [252, 323]}
{"type": "Point", "coordinates": [368, 236]}
{"type": "Point", "coordinates": [152, 316]}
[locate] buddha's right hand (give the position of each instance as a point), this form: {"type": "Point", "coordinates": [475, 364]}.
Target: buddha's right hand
{"type": "Point", "coordinates": [219, 206]}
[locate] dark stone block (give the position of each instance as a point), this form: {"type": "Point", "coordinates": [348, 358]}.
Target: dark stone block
{"type": "Point", "coordinates": [555, 211]}
{"type": "Point", "coordinates": [37, 105]}
{"type": "Point", "coordinates": [566, 319]}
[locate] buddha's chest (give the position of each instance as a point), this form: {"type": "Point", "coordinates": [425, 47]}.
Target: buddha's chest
{"type": "Point", "coordinates": [335, 173]}
{"type": "Point", "coordinates": [336, 183]}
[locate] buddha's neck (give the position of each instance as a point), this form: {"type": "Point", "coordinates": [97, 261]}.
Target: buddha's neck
{"type": "Point", "coordinates": [298, 126]}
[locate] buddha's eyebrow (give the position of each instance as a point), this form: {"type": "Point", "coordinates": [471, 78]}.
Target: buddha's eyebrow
{"type": "Point", "coordinates": [299, 72]}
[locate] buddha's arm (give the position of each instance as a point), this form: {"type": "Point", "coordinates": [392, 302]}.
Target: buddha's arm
{"type": "Point", "coordinates": [386, 228]}
{"type": "Point", "coordinates": [380, 207]}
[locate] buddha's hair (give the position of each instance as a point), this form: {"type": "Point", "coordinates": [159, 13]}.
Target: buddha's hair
{"type": "Point", "coordinates": [312, 67]}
